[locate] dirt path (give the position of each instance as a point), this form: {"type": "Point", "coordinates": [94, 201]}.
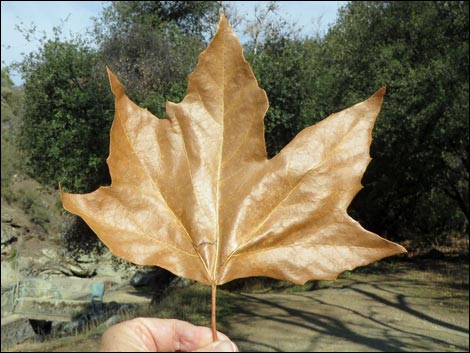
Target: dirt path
{"type": "Point", "coordinates": [377, 315]}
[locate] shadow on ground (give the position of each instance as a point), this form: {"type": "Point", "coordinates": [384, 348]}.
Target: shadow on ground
{"type": "Point", "coordinates": [361, 316]}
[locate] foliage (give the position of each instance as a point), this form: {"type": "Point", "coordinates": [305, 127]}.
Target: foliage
{"type": "Point", "coordinates": [418, 179]}
{"type": "Point", "coordinates": [417, 182]}
{"type": "Point", "coordinates": [6, 80]}
{"type": "Point", "coordinates": [190, 17]}
{"type": "Point", "coordinates": [11, 114]}
{"type": "Point", "coordinates": [284, 69]}
{"type": "Point", "coordinates": [154, 65]}
{"type": "Point", "coordinates": [153, 45]}
{"type": "Point", "coordinates": [67, 112]}
{"type": "Point", "coordinates": [78, 238]}
{"type": "Point", "coordinates": [12, 105]}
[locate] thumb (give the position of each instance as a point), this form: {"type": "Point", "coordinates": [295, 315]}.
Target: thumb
{"type": "Point", "coordinates": [219, 346]}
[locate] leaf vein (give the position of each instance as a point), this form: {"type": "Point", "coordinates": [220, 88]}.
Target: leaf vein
{"type": "Point", "coordinates": [154, 183]}
{"type": "Point", "coordinates": [268, 216]}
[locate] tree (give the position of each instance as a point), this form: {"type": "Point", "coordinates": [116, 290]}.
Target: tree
{"type": "Point", "coordinates": [153, 45]}
{"type": "Point", "coordinates": [283, 68]}
{"type": "Point", "coordinates": [283, 63]}
{"type": "Point", "coordinates": [11, 114]}
{"type": "Point", "coordinates": [191, 17]}
{"type": "Point", "coordinates": [418, 179]}
{"type": "Point", "coordinates": [67, 115]}
{"type": "Point", "coordinates": [6, 80]}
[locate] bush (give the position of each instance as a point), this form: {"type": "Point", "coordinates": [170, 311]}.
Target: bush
{"type": "Point", "coordinates": [68, 114]}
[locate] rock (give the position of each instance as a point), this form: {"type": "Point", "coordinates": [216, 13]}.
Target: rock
{"type": "Point", "coordinates": [180, 282]}
{"type": "Point", "coordinates": [107, 270]}
{"type": "Point", "coordinates": [9, 234]}
{"type": "Point", "coordinates": [24, 266]}
{"type": "Point", "coordinates": [7, 250]}
{"type": "Point", "coordinates": [42, 260]}
{"type": "Point", "coordinates": [52, 272]}
{"type": "Point", "coordinates": [82, 270]}
{"type": "Point", "coordinates": [15, 329]}
{"type": "Point", "coordinates": [164, 290]}
{"type": "Point", "coordinates": [8, 297]}
{"type": "Point", "coordinates": [65, 269]}
{"type": "Point", "coordinates": [9, 237]}
{"type": "Point", "coordinates": [126, 307]}
{"type": "Point", "coordinates": [9, 274]}
{"type": "Point", "coordinates": [6, 218]}
{"type": "Point", "coordinates": [51, 253]}
{"type": "Point", "coordinates": [112, 306]}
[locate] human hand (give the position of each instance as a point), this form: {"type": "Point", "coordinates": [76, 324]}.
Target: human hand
{"type": "Point", "coordinates": [162, 335]}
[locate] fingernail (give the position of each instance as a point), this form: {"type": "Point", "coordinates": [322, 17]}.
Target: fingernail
{"type": "Point", "coordinates": [224, 346]}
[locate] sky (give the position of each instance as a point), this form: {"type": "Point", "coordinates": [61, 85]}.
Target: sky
{"type": "Point", "coordinates": [313, 16]}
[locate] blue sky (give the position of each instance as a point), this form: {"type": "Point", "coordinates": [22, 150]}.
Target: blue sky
{"type": "Point", "coordinates": [47, 14]}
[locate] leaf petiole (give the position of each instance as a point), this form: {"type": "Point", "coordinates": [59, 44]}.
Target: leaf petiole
{"type": "Point", "coordinates": [213, 312]}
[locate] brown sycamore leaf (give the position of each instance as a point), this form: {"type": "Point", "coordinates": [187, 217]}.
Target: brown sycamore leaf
{"type": "Point", "coordinates": [196, 194]}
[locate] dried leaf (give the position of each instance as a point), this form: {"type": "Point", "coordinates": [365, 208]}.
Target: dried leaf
{"type": "Point", "coordinates": [196, 194]}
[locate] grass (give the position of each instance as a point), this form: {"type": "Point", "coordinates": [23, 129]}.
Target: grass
{"type": "Point", "coordinates": [191, 304]}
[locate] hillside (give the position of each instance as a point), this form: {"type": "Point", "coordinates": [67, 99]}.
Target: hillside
{"type": "Point", "coordinates": [30, 212]}
{"type": "Point", "coordinates": [39, 238]}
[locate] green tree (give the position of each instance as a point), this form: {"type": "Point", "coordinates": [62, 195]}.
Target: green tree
{"type": "Point", "coordinates": [6, 80]}
{"type": "Point", "coordinates": [283, 67]}
{"type": "Point", "coordinates": [11, 115]}
{"type": "Point", "coordinates": [284, 64]}
{"type": "Point", "coordinates": [67, 115]}
{"type": "Point", "coordinates": [153, 45]}
{"type": "Point", "coordinates": [191, 17]}
{"type": "Point", "coordinates": [11, 101]}
{"type": "Point", "coordinates": [418, 179]}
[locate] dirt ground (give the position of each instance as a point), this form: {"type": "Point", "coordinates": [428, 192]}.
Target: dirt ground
{"type": "Point", "coordinates": [401, 311]}
{"type": "Point", "coordinates": [378, 315]}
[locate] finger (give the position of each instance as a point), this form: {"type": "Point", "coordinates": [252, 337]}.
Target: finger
{"type": "Point", "coordinates": [157, 335]}
{"type": "Point", "coordinates": [176, 335]}
{"type": "Point", "coordinates": [125, 337]}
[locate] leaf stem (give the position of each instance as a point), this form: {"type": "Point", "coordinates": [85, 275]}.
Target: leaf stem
{"type": "Point", "coordinates": [213, 313]}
